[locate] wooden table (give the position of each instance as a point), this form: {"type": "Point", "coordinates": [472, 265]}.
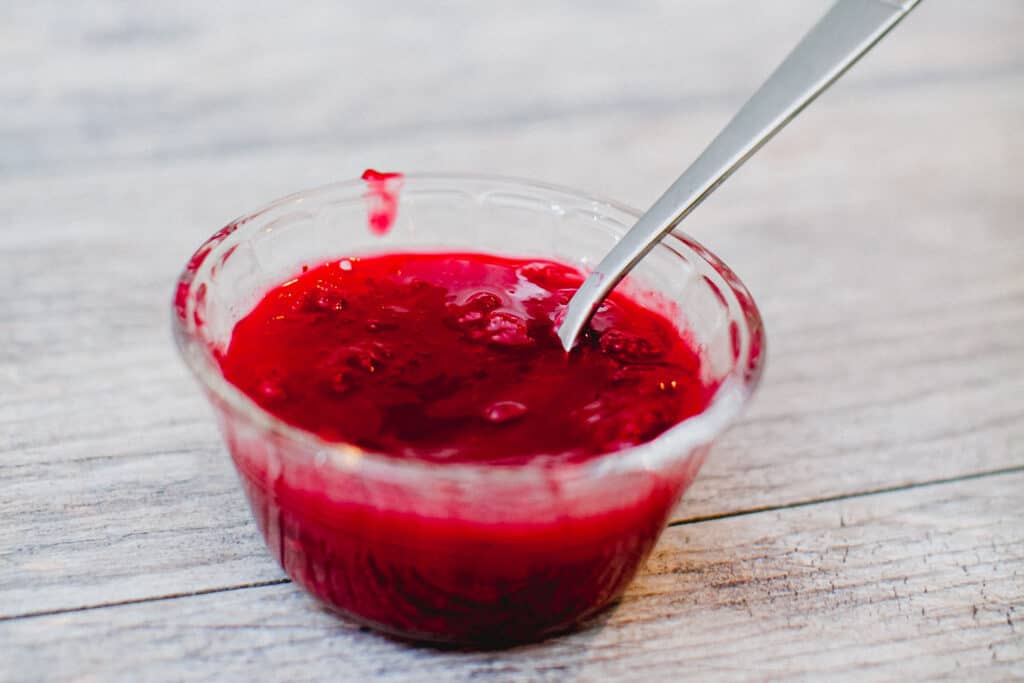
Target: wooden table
{"type": "Point", "coordinates": [865, 520]}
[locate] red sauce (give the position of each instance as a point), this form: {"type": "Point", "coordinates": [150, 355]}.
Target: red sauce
{"type": "Point", "coordinates": [453, 358]}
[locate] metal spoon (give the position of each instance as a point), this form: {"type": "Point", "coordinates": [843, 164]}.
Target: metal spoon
{"type": "Point", "coordinates": [847, 32]}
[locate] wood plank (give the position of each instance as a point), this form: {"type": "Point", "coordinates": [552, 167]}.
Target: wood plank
{"type": "Point", "coordinates": [217, 82]}
{"type": "Point", "coordinates": [927, 582]}
{"type": "Point", "coordinates": [895, 318]}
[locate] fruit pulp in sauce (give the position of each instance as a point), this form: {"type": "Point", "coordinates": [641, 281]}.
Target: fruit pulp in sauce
{"type": "Point", "coordinates": [454, 358]}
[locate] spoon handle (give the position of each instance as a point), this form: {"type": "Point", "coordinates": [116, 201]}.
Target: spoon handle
{"type": "Point", "coordinates": [850, 29]}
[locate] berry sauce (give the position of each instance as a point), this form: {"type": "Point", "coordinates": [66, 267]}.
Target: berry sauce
{"type": "Point", "coordinates": [453, 358]}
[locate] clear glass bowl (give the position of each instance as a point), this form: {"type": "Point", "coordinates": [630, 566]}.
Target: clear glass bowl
{"type": "Point", "coordinates": [463, 553]}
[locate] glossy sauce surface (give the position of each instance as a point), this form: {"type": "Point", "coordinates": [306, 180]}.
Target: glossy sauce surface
{"type": "Point", "coordinates": [453, 357]}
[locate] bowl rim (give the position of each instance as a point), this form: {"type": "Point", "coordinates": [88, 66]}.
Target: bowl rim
{"type": "Point", "coordinates": [676, 443]}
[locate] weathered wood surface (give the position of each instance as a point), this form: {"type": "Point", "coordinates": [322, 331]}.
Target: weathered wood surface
{"type": "Point", "coordinates": [924, 582]}
{"type": "Point", "coordinates": [881, 235]}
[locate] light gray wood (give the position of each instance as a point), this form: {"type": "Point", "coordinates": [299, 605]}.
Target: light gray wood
{"type": "Point", "coordinates": [129, 133]}
{"type": "Point", "coordinates": [924, 582]}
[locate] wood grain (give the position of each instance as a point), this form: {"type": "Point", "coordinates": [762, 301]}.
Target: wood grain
{"type": "Point", "coordinates": [880, 234]}
{"type": "Point", "coordinates": [924, 582]}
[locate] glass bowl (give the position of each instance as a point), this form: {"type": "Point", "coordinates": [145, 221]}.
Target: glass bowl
{"type": "Point", "coordinates": [462, 553]}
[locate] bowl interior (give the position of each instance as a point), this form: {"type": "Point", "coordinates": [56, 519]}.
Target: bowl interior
{"type": "Point", "coordinates": [232, 271]}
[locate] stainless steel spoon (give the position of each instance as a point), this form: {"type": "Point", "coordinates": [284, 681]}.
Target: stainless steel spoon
{"type": "Point", "coordinates": [847, 32]}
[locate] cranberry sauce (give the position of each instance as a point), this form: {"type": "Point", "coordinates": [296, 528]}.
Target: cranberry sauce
{"type": "Point", "coordinates": [452, 358]}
